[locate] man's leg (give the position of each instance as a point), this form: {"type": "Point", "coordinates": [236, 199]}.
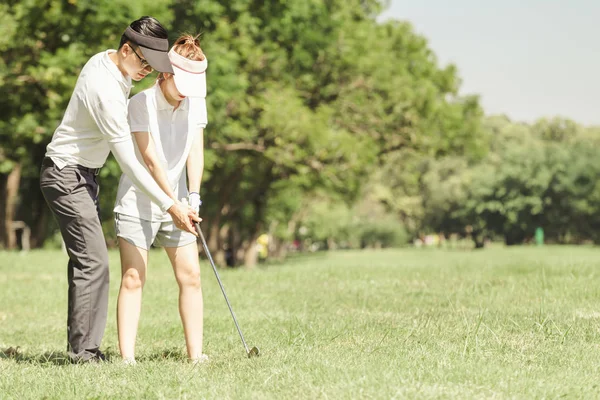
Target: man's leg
{"type": "Point", "coordinates": [72, 195]}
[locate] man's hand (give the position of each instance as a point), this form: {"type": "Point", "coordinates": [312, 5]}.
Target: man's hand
{"type": "Point", "coordinates": [184, 217]}
{"type": "Point", "coordinates": [195, 202]}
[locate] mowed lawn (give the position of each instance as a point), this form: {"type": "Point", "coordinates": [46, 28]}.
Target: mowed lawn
{"type": "Point", "coordinates": [413, 323]}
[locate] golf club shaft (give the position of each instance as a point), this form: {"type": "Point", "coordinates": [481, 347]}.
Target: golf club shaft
{"type": "Point", "coordinates": [212, 263]}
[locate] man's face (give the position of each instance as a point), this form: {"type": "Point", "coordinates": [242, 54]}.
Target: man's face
{"type": "Point", "coordinates": [135, 64]}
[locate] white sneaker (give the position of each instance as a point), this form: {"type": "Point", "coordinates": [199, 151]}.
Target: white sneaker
{"type": "Point", "coordinates": [129, 361]}
{"type": "Point", "coordinates": [203, 359]}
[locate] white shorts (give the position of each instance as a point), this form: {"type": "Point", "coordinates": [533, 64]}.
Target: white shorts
{"type": "Point", "coordinates": [142, 233]}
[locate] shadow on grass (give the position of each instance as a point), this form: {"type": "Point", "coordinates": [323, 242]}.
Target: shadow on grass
{"type": "Point", "coordinates": [49, 357]}
{"type": "Point", "coordinates": [46, 358]}
{"type": "Point", "coordinates": [61, 358]}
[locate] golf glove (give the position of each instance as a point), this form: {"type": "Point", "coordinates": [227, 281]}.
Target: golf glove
{"type": "Point", "coordinates": [195, 202]}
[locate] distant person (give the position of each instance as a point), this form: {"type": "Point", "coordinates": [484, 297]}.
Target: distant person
{"type": "Point", "coordinates": [94, 124]}
{"type": "Point", "coordinates": [167, 122]}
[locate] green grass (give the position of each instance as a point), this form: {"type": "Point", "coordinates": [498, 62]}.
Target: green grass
{"type": "Point", "coordinates": [499, 323]}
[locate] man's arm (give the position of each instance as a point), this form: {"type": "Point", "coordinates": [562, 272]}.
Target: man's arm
{"type": "Point", "coordinates": [147, 149]}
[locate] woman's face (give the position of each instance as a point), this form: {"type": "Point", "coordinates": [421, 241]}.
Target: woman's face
{"type": "Point", "coordinates": [134, 63]}
{"type": "Point", "coordinates": [170, 89]}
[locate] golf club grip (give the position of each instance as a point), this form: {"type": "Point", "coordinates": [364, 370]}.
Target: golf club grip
{"type": "Point", "coordinates": [212, 263]}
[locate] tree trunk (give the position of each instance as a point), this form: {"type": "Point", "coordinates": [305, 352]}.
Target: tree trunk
{"type": "Point", "coordinates": [9, 194]}
{"type": "Point", "coordinates": [251, 253]}
{"type": "Point", "coordinates": [235, 244]}
{"type": "Point", "coordinates": [478, 239]}
{"type": "Point", "coordinates": [39, 225]}
{"type": "Point", "coordinates": [331, 245]}
{"type": "Point", "coordinates": [40, 228]}
{"type": "Point", "coordinates": [239, 252]}
{"type": "Point", "coordinates": [220, 252]}
{"type": "Point", "coordinates": [246, 250]}
{"type": "Point", "coordinates": [279, 251]}
{"type": "Point", "coordinates": [213, 234]}
{"type": "Point", "coordinates": [214, 243]}
{"type": "Point", "coordinates": [3, 237]}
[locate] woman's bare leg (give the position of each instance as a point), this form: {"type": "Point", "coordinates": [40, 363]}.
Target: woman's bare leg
{"type": "Point", "coordinates": [134, 262]}
{"type": "Point", "coordinates": [191, 308]}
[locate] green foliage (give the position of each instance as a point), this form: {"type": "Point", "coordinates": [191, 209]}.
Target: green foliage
{"type": "Point", "coordinates": [539, 175]}
{"type": "Point", "coordinates": [445, 188]}
{"type": "Point", "coordinates": [382, 233]}
{"type": "Point", "coordinates": [45, 44]}
{"type": "Point", "coordinates": [330, 222]}
{"type": "Point", "coordinates": [313, 94]}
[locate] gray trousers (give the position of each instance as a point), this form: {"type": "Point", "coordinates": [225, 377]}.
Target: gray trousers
{"type": "Point", "coordinates": [72, 195]}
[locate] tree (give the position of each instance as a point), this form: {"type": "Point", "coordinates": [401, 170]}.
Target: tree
{"type": "Point", "coordinates": [45, 43]}
{"type": "Point", "coordinates": [304, 97]}
{"type": "Point", "coordinates": [289, 69]}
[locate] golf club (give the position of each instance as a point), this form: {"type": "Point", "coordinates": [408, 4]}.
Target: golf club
{"type": "Point", "coordinates": [253, 352]}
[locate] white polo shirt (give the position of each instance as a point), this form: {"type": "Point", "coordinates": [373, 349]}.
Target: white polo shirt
{"type": "Point", "coordinates": [173, 132]}
{"type": "Point", "coordinates": [96, 115]}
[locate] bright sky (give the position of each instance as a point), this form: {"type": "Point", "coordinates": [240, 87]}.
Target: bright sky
{"type": "Point", "coordinates": [526, 58]}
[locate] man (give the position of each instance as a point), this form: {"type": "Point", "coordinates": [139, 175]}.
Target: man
{"type": "Point", "coordinates": [95, 124]}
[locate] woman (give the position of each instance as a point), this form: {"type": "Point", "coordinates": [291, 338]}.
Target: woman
{"type": "Point", "coordinates": [167, 122]}
{"type": "Point", "coordinates": [95, 124]}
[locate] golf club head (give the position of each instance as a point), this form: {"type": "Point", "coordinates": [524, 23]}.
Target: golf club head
{"type": "Point", "coordinates": [254, 352]}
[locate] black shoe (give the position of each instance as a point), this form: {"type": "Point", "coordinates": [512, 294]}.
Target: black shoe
{"type": "Point", "coordinates": [97, 357]}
